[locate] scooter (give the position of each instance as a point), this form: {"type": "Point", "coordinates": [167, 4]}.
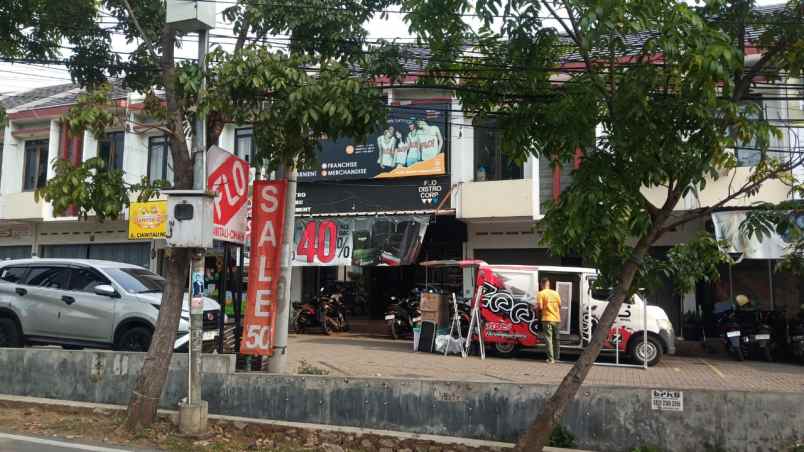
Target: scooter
{"type": "Point", "coordinates": [796, 343]}
{"type": "Point", "coordinates": [757, 334]}
{"type": "Point", "coordinates": [316, 314]}
{"type": "Point", "coordinates": [401, 315]}
{"type": "Point", "coordinates": [732, 335]}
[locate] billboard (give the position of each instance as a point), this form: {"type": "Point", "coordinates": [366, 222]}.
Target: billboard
{"type": "Point", "coordinates": [412, 142]}
{"type": "Point", "coordinates": [392, 195]}
{"type": "Point", "coordinates": [264, 269]}
{"type": "Point", "coordinates": [147, 220]}
{"type": "Point", "coordinates": [228, 178]}
{"type": "Point", "coordinates": [363, 241]}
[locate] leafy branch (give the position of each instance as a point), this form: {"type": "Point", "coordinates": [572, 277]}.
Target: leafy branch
{"type": "Point", "coordinates": [91, 188]}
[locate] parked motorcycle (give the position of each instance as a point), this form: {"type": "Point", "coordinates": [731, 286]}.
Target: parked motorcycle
{"type": "Point", "coordinates": [732, 335]}
{"type": "Point", "coordinates": [402, 314]}
{"type": "Point", "coordinates": [796, 343]}
{"type": "Point", "coordinates": [325, 312]}
{"type": "Point", "coordinates": [757, 333]}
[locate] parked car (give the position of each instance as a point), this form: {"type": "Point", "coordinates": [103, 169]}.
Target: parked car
{"type": "Point", "coordinates": [87, 303]}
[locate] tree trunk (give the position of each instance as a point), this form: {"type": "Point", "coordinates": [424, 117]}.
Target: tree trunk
{"type": "Point", "coordinates": [538, 434]}
{"type": "Point", "coordinates": [148, 388]}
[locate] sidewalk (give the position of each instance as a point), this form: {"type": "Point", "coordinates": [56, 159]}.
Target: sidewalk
{"type": "Point", "coordinates": [355, 356]}
{"type": "Point", "coordinates": [370, 438]}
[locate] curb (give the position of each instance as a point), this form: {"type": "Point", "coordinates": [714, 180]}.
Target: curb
{"type": "Point", "coordinates": [447, 440]}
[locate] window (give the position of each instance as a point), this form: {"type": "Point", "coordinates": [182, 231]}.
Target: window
{"type": "Point", "coordinates": [110, 150]}
{"type": "Point", "coordinates": [86, 279]}
{"type": "Point", "coordinates": [747, 153]}
{"type": "Point", "coordinates": [137, 280]}
{"type": "Point", "coordinates": [244, 144]}
{"type": "Point", "coordinates": [49, 277]}
{"type": "Point", "coordinates": [35, 165]}
{"type": "Point", "coordinates": [490, 162]}
{"type": "Point", "coordinates": [160, 162]}
{"type": "Point", "coordinates": [13, 274]}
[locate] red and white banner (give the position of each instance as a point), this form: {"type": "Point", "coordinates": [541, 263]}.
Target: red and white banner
{"type": "Point", "coordinates": [228, 177]}
{"type": "Point", "coordinates": [267, 221]}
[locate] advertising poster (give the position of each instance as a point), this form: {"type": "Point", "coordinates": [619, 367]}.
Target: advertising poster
{"type": "Point", "coordinates": [413, 142]}
{"type": "Point", "coordinates": [366, 241]}
{"type": "Point", "coordinates": [147, 220]}
{"type": "Point", "coordinates": [263, 272]}
{"type": "Point", "coordinates": [409, 194]}
{"type": "Point", "coordinates": [228, 178]}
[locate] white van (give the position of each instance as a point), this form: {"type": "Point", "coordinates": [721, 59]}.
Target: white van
{"type": "Point", "coordinates": [506, 295]}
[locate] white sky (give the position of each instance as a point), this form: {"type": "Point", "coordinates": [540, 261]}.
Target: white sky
{"type": "Point", "coordinates": [21, 77]}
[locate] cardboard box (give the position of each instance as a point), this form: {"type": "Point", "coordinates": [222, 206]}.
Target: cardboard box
{"type": "Point", "coordinates": [434, 308]}
{"type": "Point", "coordinates": [431, 302]}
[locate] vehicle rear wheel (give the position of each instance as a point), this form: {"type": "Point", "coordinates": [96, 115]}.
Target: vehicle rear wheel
{"type": "Point", "coordinates": [505, 349]}
{"type": "Point", "coordinates": [642, 351]}
{"type": "Point", "coordinates": [393, 328]}
{"type": "Point", "coordinates": [10, 335]}
{"type": "Point", "coordinates": [329, 326]}
{"type": "Point", "coordinates": [767, 354]}
{"type": "Point", "coordinates": [738, 353]}
{"type": "Point", "coordinates": [136, 339]}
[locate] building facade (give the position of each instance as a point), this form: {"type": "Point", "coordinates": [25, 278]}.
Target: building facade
{"type": "Point", "coordinates": [463, 197]}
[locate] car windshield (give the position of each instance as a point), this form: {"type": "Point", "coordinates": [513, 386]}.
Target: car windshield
{"type": "Point", "coordinates": [137, 280]}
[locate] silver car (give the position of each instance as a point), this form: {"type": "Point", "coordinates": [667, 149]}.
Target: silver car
{"type": "Point", "coordinates": [87, 303]}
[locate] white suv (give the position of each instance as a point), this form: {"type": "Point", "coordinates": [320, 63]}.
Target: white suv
{"type": "Point", "coordinates": [86, 303]}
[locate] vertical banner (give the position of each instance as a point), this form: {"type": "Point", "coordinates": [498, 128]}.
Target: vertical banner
{"type": "Point", "coordinates": [228, 177]}
{"type": "Point", "coordinates": [267, 221]}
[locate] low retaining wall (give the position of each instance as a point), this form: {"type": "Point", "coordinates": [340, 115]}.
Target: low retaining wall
{"type": "Point", "coordinates": [602, 418]}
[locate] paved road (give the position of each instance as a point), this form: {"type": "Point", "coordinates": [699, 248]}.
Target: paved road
{"type": "Point", "coordinates": [25, 443]}
{"type": "Point", "coordinates": [362, 356]}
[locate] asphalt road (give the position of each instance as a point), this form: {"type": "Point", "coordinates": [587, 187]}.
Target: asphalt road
{"type": "Point", "coordinates": [25, 443]}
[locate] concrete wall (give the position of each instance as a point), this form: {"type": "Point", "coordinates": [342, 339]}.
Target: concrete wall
{"type": "Point", "coordinates": [602, 418]}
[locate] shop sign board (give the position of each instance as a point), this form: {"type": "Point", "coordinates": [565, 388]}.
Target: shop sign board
{"type": "Point", "coordinates": [228, 178]}
{"type": "Point", "coordinates": [15, 230]}
{"type": "Point", "coordinates": [264, 268]}
{"type": "Point", "coordinates": [662, 400]}
{"type": "Point", "coordinates": [412, 142]}
{"type": "Point", "coordinates": [362, 241]}
{"type": "Point", "coordinates": [147, 220]}
{"type": "Point", "coordinates": [393, 195]}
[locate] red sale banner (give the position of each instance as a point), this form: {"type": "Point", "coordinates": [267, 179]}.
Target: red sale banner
{"type": "Point", "coordinates": [228, 178]}
{"type": "Point", "coordinates": [267, 218]}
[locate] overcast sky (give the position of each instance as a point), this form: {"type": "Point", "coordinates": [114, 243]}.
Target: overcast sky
{"type": "Point", "coordinates": [20, 77]}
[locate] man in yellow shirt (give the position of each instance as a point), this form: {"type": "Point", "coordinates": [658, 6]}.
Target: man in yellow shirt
{"type": "Point", "coordinates": [550, 306]}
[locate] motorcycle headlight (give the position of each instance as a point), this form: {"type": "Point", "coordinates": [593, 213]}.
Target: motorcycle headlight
{"type": "Point", "coordinates": [664, 324]}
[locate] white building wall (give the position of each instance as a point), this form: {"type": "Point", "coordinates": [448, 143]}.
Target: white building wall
{"type": "Point", "coordinates": [135, 157]}
{"type": "Point", "coordinates": [53, 146]}
{"type": "Point", "coordinates": [13, 158]}
{"type": "Point", "coordinates": [90, 148]}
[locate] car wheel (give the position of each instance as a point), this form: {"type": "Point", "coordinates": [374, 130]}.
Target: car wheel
{"type": "Point", "coordinates": [10, 335]}
{"type": "Point", "coordinates": [650, 351]}
{"type": "Point", "coordinates": [136, 339]}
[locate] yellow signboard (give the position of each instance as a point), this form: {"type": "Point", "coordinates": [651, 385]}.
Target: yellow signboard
{"type": "Point", "coordinates": [147, 220]}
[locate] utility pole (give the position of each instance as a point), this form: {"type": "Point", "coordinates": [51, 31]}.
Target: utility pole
{"type": "Point", "coordinates": [279, 360]}
{"type": "Point", "coordinates": [193, 414]}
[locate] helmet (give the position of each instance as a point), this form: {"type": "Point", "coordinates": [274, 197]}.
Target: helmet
{"type": "Point", "coordinates": [742, 300]}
